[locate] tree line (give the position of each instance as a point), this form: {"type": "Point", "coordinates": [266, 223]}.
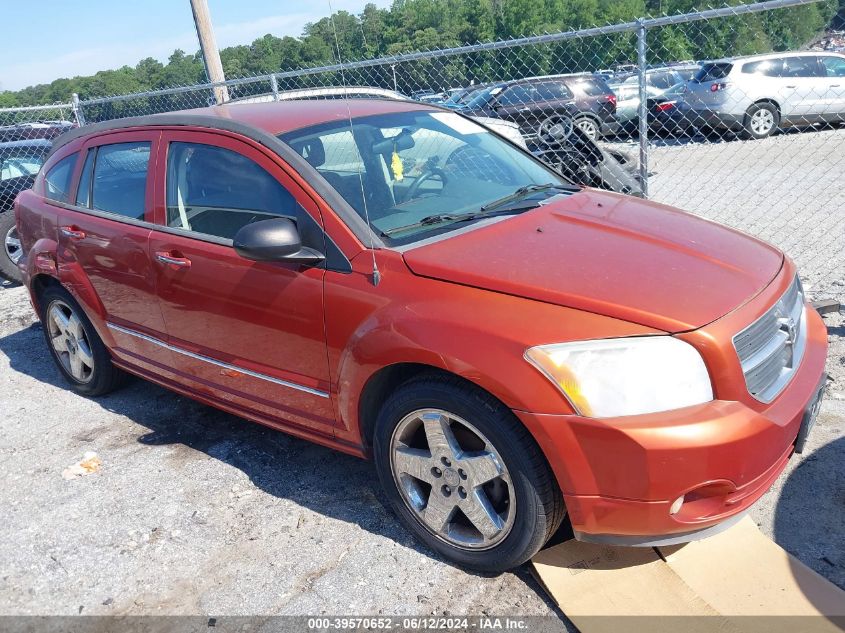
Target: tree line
{"type": "Point", "coordinates": [420, 25]}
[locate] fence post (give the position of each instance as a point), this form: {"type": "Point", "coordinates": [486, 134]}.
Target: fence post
{"type": "Point", "coordinates": [76, 108]}
{"type": "Point", "coordinates": [274, 86]}
{"type": "Point", "coordinates": [643, 105]}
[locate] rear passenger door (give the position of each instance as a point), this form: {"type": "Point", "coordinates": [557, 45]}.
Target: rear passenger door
{"type": "Point", "coordinates": [104, 234]}
{"type": "Point", "coordinates": [249, 334]}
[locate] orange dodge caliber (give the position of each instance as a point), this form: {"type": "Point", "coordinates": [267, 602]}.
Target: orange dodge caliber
{"type": "Point", "coordinates": [395, 281]}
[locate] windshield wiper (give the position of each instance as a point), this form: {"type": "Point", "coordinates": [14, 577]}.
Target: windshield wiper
{"type": "Point", "coordinates": [522, 192]}
{"type": "Point", "coordinates": [503, 206]}
{"type": "Point", "coordinates": [430, 220]}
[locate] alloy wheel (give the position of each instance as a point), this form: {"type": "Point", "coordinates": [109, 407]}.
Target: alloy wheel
{"type": "Point", "coordinates": [762, 122]}
{"type": "Point", "coordinates": [588, 127]}
{"type": "Point", "coordinates": [452, 479]}
{"type": "Point", "coordinates": [70, 342]}
{"type": "Point", "coordinates": [12, 245]}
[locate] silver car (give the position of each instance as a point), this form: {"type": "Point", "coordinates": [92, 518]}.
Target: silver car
{"type": "Point", "coordinates": [756, 95]}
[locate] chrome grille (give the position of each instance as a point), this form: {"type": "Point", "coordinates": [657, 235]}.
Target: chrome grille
{"type": "Point", "coordinates": [771, 348]}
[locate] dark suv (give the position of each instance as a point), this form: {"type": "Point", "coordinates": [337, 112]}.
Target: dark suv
{"type": "Point", "coordinates": [541, 102]}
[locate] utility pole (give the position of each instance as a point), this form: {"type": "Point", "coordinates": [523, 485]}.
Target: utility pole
{"type": "Point", "coordinates": [210, 53]}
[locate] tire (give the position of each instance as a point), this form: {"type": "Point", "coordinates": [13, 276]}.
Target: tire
{"type": "Point", "coordinates": [588, 126]}
{"type": "Point", "coordinates": [71, 337]}
{"type": "Point", "coordinates": [475, 439]}
{"type": "Point", "coordinates": [761, 121]}
{"type": "Point", "coordinates": [11, 251]}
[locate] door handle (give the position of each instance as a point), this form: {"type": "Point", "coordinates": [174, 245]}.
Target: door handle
{"type": "Point", "coordinates": [174, 260]}
{"type": "Point", "coordinates": [792, 87]}
{"type": "Point", "coordinates": [72, 232]}
{"type": "Point", "coordinates": [526, 109]}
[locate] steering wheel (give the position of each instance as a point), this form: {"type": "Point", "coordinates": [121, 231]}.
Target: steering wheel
{"type": "Point", "coordinates": [429, 173]}
{"type": "Point", "coordinates": [555, 131]}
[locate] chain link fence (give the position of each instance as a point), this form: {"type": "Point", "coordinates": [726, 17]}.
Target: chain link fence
{"type": "Point", "coordinates": [716, 112]}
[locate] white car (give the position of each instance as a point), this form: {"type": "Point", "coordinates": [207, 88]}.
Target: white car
{"type": "Point", "coordinates": [758, 94]}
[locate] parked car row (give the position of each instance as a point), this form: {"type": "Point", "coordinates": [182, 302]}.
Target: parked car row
{"type": "Point", "coordinates": [751, 96]}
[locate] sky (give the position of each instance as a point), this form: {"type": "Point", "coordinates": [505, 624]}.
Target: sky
{"type": "Point", "coordinates": [64, 39]}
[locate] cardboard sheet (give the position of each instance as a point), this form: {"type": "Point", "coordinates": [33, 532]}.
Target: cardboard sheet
{"type": "Point", "coordinates": [727, 577]}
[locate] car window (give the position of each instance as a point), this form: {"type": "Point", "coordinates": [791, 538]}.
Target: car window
{"type": "Point", "coordinates": [216, 191]}
{"type": "Point", "coordinates": [591, 87]}
{"type": "Point", "coordinates": [83, 191]}
{"type": "Point", "coordinates": [17, 166]}
{"type": "Point", "coordinates": [662, 81]}
{"type": "Point", "coordinates": [833, 66]}
{"type": "Point", "coordinates": [57, 180]}
{"type": "Point", "coordinates": [805, 66]}
{"type": "Point", "coordinates": [553, 90]}
{"type": "Point", "coordinates": [518, 95]}
{"type": "Point", "coordinates": [120, 179]}
{"type": "Point", "coordinates": [713, 71]}
{"type": "Point", "coordinates": [686, 74]}
{"type": "Point", "coordinates": [765, 67]}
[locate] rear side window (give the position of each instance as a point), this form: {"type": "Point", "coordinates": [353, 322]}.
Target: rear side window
{"type": "Point", "coordinates": [215, 191]}
{"type": "Point", "coordinates": [591, 87]}
{"type": "Point", "coordinates": [120, 179]}
{"type": "Point", "coordinates": [57, 180]}
{"type": "Point", "coordinates": [765, 67]}
{"type": "Point", "coordinates": [805, 66]}
{"type": "Point", "coordinates": [833, 66]}
{"type": "Point", "coordinates": [711, 72]}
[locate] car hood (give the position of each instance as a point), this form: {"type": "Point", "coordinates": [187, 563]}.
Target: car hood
{"type": "Point", "coordinates": [609, 254]}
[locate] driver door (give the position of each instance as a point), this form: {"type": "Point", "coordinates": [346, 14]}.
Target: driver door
{"type": "Point", "coordinates": [249, 334]}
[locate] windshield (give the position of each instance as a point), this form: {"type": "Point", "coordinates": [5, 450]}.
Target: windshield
{"type": "Point", "coordinates": [419, 170]}
{"type": "Point", "coordinates": [482, 98]}
{"type": "Point", "coordinates": [17, 166]}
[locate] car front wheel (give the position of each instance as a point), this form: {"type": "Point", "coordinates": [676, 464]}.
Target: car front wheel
{"type": "Point", "coordinates": [11, 252]}
{"type": "Point", "coordinates": [464, 475]}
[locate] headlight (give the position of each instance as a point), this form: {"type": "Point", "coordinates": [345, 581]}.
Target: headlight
{"type": "Point", "coordinates": [625, 376]}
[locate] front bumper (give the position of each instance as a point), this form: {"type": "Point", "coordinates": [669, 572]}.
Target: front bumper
{"type": "Point", "coordinates": [620, 476]}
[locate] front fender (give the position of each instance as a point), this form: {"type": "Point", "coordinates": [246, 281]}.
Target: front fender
{"type": "Point", "coordinates": [476, 334]}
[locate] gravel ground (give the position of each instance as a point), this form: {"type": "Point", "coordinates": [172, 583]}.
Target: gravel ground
{"type": "Point", "coordinates": [786, 189]}
{"type": "Point", "coordinates": [194, 511]}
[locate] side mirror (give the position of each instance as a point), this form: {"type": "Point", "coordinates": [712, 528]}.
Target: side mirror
{"type": "Point", "coordinates": [274, 240]}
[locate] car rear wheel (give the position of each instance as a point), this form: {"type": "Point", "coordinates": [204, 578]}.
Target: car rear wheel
{"type": "Point", "coordinates": [464, 475]}
{"type": "Point", "coordinates": [761, 120]}
{"type": "Point", "coordinates": [75, 346]}
{"type": "Point", "coordinates": [588, 126]}
{"type": "Point", "coordinates": [12, 252]}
